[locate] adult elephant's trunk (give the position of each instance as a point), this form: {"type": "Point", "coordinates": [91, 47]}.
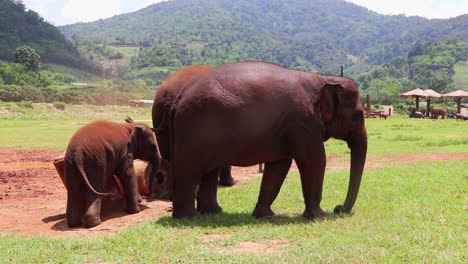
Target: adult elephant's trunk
{"type": "Point", "coordinates": [358, 146]}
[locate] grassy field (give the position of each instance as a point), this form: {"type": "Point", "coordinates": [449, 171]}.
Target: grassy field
{"type": "Point", "coordinates": [414, 213]}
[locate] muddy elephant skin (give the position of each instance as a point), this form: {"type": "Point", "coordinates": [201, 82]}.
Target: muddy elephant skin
{"type": "Point", "coordinates": [437, 111]}
{"type": "Point", "coordinates": [97, 152]}
{"type": "Point", "coordinates": [163, 101]}
{"type": "Point", "coordinates": [246, 113]}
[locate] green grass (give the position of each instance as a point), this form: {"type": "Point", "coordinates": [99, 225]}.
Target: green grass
{"type": "Point", "coordinates": [43, 126]}
{"type": "Point", "coordinates": [403, 136]}
{"type": "Point", "coordinates": [402, 216]}
{"type": "Point", "coordinates": [461, 76]}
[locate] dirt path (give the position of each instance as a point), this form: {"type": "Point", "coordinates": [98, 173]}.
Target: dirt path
{"type": "Point", "coordinates": [33, 199]}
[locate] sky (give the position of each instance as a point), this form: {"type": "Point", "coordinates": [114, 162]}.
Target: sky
{"type": "Point", "coordinates": [63, 12]}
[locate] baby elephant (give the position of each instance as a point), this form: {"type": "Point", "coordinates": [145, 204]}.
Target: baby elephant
{"type": "Point", "coordinates": [97, 152]}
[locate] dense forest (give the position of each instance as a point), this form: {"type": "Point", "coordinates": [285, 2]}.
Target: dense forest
{"type": "Point", "coordinates": [426, 65]}
{"type": "Point", "coordinates": [315, 35]}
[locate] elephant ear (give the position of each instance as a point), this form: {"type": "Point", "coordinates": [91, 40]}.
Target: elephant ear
{"type": "Point", "coordinates": [329, 99]}
{"type": "Point", "coordinates": [135, 134]}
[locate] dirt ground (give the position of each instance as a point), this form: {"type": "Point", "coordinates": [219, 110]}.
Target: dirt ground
{"type": "Point", "coordinates": [33, 198]}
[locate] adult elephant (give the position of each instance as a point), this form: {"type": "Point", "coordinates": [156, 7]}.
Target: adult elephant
{"type": "Point", "coordinates": [163, 101]}
{"type": "Point", "coordinates": [437, 111]}
{"type": "Point", "coordinates": [97, 152]}
{"type": "Point", "coordinates": [251, 112]}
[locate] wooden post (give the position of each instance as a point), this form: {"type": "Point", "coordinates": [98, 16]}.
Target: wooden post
{"type": "Point", "coordinates": [368, 106]}
{"type": "Point", "coordinates": [417, 103]}
{"type": "Point", "coordinates": [341, 67]}
{"type": "Point", "coordinates": [459, 105]}
{"type": "Point", "coordinates": [428, 106]}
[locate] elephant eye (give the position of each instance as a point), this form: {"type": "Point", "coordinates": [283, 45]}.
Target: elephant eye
{"type": "Point", "coordinates": [357, 116]}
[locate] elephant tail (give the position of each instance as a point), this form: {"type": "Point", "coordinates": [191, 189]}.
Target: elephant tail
{"type": "Point", "coordinates": [111, 196]}
{"type": "Point", "coordinates": [162, 124]}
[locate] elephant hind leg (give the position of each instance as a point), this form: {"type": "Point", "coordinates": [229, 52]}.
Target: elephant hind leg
{"type": "Point", "coordinates": [273, 177]}
{"type": "Point", "coordinates": [207, 202]}
{"type": "Point", "coordinates": [225, 177]}
{"type": "Point", "coordinates": [92, 215]}
{"type": "Point", "coordinates": [185, 184]}
{"type": "Point", "coordinates": [74, 206]}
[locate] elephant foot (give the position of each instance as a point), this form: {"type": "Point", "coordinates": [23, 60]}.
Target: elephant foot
{"type": "Point", "coordinates": [262, 211]}
{"type": "Point", "coordinates": [91, 220]}
{"type": "Point", "coordinates": [132, 209]}
{"type": "Point", "coordinates": [183, 212]}
{"type": "Point", "coordinates": [339, 209]}
{"type": "Point", "coordinates": [214, 209]}
{"type": "Point", "coordinates": [139, 198]}
{"type": "Point", "coordinates": [227, 182]}
{"type": "Point", "coordinates": [314, 213]}
{"type": "Point", "coordinates": [74, 222]}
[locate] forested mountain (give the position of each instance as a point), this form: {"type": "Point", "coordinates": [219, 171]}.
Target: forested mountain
{"type": "Point", "coordinates": [306, 34]}
{"type": "Point", "coordinates": [20, 27]}
{"type": "Point", "coordinates": [428, 65]}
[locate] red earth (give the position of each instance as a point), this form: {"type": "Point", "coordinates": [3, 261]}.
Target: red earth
{"type": "Point", "coordinates": [33, 198]}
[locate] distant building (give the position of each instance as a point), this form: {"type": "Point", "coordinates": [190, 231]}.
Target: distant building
{"type": "Point", "coordinates": [141, 103]}
{"type": "Point", "coordinates": [388, 109]}
{"type": "Point", "coordinates": [79, 84]}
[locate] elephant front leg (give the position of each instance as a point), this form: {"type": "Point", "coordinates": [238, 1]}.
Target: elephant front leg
{"type": "Point", "coordinates": [273, 177]}
{"type": "Point", "coordinates": [207, 202]}
{"type": "Point", "coordinates": [130, 186]}
{"type": "Point", "coordinates": [312, 172]}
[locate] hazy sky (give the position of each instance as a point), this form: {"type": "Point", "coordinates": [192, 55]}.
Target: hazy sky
{"type": "Point", "coordinates": [62, 12]}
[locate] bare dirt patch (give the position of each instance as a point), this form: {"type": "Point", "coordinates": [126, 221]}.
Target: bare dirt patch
{"type": "Point", "coordinates": [33, 198]}
{"type": "Point", "coordinates": [249, 247]}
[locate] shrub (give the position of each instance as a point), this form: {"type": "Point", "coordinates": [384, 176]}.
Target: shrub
{"type": "Point", "coordinates": [59, 105]}
{"type": "Point", "coordinates": [25, 104]}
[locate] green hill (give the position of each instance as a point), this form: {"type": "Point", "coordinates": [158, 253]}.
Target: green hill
{"type": "Point", "coordinates": [314, 35]}
{"type": "Point", "coordinates": [20, 27]}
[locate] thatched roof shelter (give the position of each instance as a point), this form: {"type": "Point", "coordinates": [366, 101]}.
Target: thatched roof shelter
{"type": "Point", "coordinates": [459, 94]}
{"type": "Point", "coordinates": [416, 93]}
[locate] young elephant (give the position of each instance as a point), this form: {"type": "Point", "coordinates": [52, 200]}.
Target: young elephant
{"type": "Point", "coordinates": [97, 152]}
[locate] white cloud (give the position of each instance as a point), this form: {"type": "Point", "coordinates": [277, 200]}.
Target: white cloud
{"type": "Point", "coordinates": [147, 3]}
{"type": "Point", "coordinates": [40, 7]}
{"type": "Point", "coordinates": [424, 8]}
{"type": "Point", "coordinates": [90, 10]}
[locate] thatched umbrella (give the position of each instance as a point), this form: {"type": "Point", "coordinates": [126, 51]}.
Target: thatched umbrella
{"type": "Point", "coordinates": [430, 94]}
{"type": "Point", "coordinates": [416, 93]}
{"type": "Point", "coordinates": [459, 94]}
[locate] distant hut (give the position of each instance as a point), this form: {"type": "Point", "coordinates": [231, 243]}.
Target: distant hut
{"type": "Point", "coordinates": [416, 93]}
{"type": "Point", "coordinates": [459, 94]}
{"type": "Point", "coordinates": [141, 103]}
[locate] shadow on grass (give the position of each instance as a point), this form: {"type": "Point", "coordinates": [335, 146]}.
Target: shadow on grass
{"type": "Point", "coordinates": [241, 219]}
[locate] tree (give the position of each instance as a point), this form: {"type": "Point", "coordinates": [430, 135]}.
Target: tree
{"type": "Point", "coordinates": [28, 57]}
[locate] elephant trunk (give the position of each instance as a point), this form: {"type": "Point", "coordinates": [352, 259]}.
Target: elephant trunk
{"type": "Point", "coordinates": [155, 164]}
{"type": "Point", "coordinates": [358, 146]}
